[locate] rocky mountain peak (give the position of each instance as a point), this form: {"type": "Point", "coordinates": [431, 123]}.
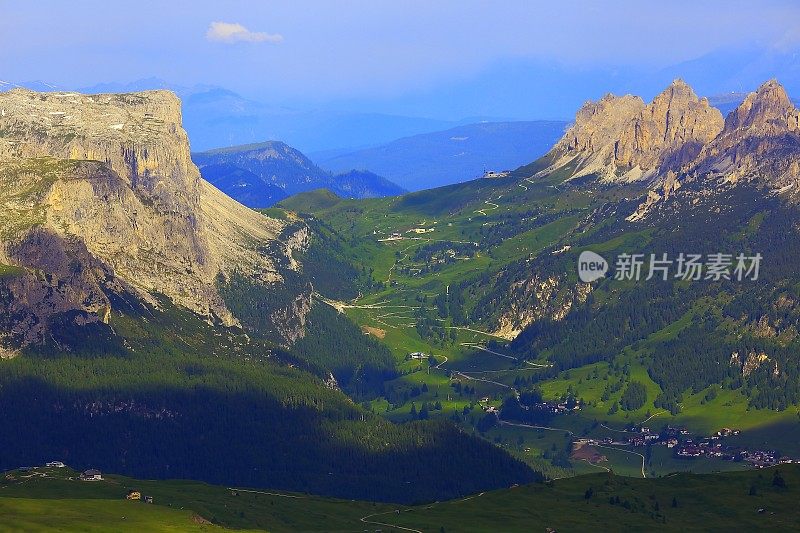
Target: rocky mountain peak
{"type": "Point", "coordinates": [668, 132]}
{"type": "Point", "coordinates": [761, 140]}
{"type": "Point", "coordinates": [139, 135]}
{"type": "Point", "coordinates": [678, 87]}
{"type": "Point", "coordinates": [107, 182]}
{"type": "Point", "coordinates": [622, 139]}
{"type": "Point", "coordinates": [587, 142]}
{"type": "Point", "coordinates": [767, 111]}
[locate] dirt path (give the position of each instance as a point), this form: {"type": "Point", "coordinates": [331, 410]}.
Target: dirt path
{"type": "Point", "coordinates": [269, 493]}
{"type": "Point", "coordinates": [366, 520]}
{"type": "Point", "coordinates": [597, 465]}
{"type": "Point", "coordinates": [476, 331]}
{"type": "Point", "coordinates": [479, 347]}
{"type": "Point", "coordinates": [492, 208]}
{"type": "Point", "coordinates": [626, 451]}
{"type": "Point", "coordinates": [464, 375]}
{"type": "Point", "coordinates": [548, 428]}
{"type": "Point", "coordinates": [615, 430]}
{"type": "Point", "coordinates": [657, 413]}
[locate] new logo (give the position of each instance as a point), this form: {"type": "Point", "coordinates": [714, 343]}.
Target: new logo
{"type": "Point", "coordinates": [591, 266]}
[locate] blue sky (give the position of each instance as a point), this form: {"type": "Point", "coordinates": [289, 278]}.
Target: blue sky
{"type": "Point", "coordinates": [445, 59]}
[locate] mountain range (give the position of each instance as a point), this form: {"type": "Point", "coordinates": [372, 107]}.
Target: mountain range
{"type": "Point", "coordinates": [489, 267]}
{"type": "Point", "coordinates": [407, 348]}
{"type": "Point", "coordinates": [679, 137]}
{"type": "Point", "coordinates": [259, 175]}
{"type": "Point", "coordinates": [451, 156]}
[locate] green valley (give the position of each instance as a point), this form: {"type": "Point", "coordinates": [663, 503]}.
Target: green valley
{"type": "Point", "coordinates": [472, 287]}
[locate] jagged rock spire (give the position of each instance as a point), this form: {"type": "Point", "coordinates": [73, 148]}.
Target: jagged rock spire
{"type": "Point", "coordinates": [622, 139]}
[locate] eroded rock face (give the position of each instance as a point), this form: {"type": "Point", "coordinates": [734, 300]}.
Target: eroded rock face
{"type": "Point", "coordinates": [62, 273]}
{"type": "Point", "coordinates": [111, 175]}
{"type": "Point", "coordinates": [538, 298]}
{"type": "Point", "coordinates": [761, 140]}
{"type": "Point", "coordinates": [138, 135]}
{"type": "Point", "coordinates": [588, 146]}
{"type": "Point", "coordinates": [668, 132]}
{"type": "Point", "coordinates": [679, 137]}
{"type": "Point", "coordinates": [622, 139]}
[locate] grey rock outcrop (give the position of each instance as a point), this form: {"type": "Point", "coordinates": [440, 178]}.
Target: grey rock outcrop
{"type": "Point", "coordinates": [622, 139]}
{"type": "Point", "coordinates": [108, 180]}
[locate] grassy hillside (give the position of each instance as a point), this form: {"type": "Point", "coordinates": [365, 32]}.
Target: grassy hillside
{"type": "Point", "coordinates": [45, 498]}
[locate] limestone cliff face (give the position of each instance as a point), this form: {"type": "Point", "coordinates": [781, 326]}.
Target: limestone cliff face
{"type": "Point", "coordinates": [540, 297]}
{"type": "Point", "coordinates": [138, 135]}
{"type": "Point", "coordinates": [622, 139]}
{"type": "Point", "coordinates": [669, 132]}
{"type": "Point", "coordinates": [107, 183]}
{"type": "Point", "coordinates": [761, 140]}
{"type": "Point", "coordinates": [588, 146]}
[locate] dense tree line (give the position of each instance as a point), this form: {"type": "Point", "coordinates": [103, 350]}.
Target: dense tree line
{"type": "Point", "coordinates": [184, 401]}
{"type": "Point", "coordinates": [359, 363]}
{"type": "Point", "coordinates": [634, 397]}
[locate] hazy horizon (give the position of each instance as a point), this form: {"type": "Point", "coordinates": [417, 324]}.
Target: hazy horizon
{"type": "Point", "coordinates": [445, 61]}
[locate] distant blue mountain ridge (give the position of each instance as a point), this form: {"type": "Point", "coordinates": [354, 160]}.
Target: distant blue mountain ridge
{"type": "Point", "coordinates": [451, 156]}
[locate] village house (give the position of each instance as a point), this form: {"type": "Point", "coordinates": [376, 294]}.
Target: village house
{"type": "Point", "coordinates": [55, 464]}
{"type": "Point", "coordinates": [92, 475]}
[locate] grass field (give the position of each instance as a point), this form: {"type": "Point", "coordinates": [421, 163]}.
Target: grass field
{"type": "Point", "coordinates": [52, 499]}
{"type": "Point", "coordinates": [36, 503]}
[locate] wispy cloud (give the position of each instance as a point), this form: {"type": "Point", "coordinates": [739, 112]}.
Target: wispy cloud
{"type": "Point", "coordinates": [231, 32]}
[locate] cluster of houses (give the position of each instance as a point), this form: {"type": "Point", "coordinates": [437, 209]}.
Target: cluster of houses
{"type": "Point", "coordinates": [86, 475]}
{"type": "Point", "coordinates": [486, 407]}
{"type": "Point", "coordinates": [688, 448]}
{"type": "Point", "coordinates": [555, 407]}
{"type": "Point", "coordinates": [714, 449]}
{"type": "Point", "coordinates": [558, 407]}
{"type": "Point", "coordinates": [95, 475]}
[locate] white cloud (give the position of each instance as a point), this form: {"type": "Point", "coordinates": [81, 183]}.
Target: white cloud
{"type": "Point", "coordinates": [231, 32]}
